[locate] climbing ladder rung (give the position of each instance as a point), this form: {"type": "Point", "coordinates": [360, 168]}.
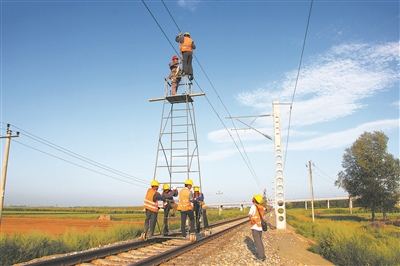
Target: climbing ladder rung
{"type": "Point", "coordinates": [173, 149]}
{"type": "Point", "coordinates": [172, 166]}
{"type": "Point", "coordinates": [182, 156]}
{"type": "Point", "coordinates": [181, 125]}
{"type": "Point", "coordinates": [174, 133]}
{"type": "Point", "coordinates": [182, 172]}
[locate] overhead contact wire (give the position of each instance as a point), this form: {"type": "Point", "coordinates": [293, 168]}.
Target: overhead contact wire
{"type": "Point", "coordinates": [155, 20]}
{"type": "Point", "coordinates": [297, 79]}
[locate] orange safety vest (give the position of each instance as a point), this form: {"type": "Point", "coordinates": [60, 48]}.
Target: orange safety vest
{"type": "Point", "coordinates": [256, 216]}
{"type": "Point", "coordinates": [186, 45]}
{"type": "Point", "coordinates": [184, 203]}
{"type": "Point", "coordinates": [149, 204]}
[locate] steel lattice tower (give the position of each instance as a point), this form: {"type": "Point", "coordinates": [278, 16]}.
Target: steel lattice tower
{"type": "Point", "coordinates": [177, 156]}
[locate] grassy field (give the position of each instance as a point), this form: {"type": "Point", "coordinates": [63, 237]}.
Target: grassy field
{"type": "Point", "coordinates": [342, 238]}
{"type": "Point", "coordinates": [350, 239]}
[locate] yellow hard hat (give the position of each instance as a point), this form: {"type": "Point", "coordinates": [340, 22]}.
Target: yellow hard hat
{"type": "Point", "coordinates": [154, 183]}
{"type": "Point", "coordinates": [258, 198]}
{"type": "Point", "coordinates": [186, 33]}
{"type": "Point", "coordinates": [165, 187]}
{"type": "Point", "coordinates": [189, 182]}
{"type": "Point", "coordinates": [196, 188]}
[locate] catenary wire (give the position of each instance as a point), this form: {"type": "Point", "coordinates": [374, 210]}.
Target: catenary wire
{"type": "Point", "coordinates": [155, 20]}
{"type": "Point", "coordinates": [297, 79]}
{"type": "Point", "coordinates": [171, 16]}
{"type": "Point", "coordinates": [248, 163]}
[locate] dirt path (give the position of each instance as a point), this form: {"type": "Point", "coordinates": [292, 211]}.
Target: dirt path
{"type": "Point", "coordinates": [292, 246]}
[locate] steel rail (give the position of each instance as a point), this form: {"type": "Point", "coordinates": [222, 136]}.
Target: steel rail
{"type": "Point", "coordinates": [90, 255]}
{"type": "Point", "coordinates": [170, 254]}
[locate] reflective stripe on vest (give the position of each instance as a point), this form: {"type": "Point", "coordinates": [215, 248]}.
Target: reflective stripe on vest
{"type": "Point", "coordinates": [184, 200]}
{"type": "Point", "coordinates": [256, 216]}
{"type": "Point", "coordinates": [149, 204]}
{"type": "Point", "coordinates": [186, 46]}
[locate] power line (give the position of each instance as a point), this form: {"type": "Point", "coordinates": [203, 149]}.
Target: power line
{"type": "Point", "coordinates": [77, 156]}
{"type": "Point", "coordinates": [324, 173]}
{"type": "Point", "coordinates": [297, 79]}
{"type": "Point", "coordinates": [59, 158]}
{"type": "Point", "coordinates": [322, 177]}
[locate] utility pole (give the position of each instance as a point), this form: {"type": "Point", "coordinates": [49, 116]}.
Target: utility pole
{"type": "Point", "coordinates": [311, 190]}
{"type": "Point", "coordinates": [219, 206]}
{"type": "Point", "coordinates": [5, 163]}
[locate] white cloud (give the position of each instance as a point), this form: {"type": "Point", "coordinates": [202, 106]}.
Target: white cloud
{"type": "Point", "coordinates": [344, 138]}
{"type": "Point", "coordinates": [329, 141]}
{"type": "Point", "coordinates": [333, 85]}
{"type": "Point", "coordinates": [191, 5]}
{"type": "Point", "coordinates": [396, 104]}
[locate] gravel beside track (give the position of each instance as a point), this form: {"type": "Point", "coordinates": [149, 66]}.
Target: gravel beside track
{"type": "Point", "coordinates": [282, 248]}
{"type": "Point", "coordinates": [239, 249]}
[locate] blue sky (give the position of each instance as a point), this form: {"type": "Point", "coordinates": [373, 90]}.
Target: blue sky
{"type": "Point", "coordinates": [79, 75]}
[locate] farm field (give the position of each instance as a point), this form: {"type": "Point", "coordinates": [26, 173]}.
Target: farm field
{"type": "Point", "coordinates": [55, 226]}
{"type": "Point", "coordinates": [56, 221]}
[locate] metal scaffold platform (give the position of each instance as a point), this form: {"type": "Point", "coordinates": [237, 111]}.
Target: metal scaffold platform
{"type": "Point", "coordinates": [177, 156]}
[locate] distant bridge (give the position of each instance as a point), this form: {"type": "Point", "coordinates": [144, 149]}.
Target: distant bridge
{"type": "Point", "coordinates": [272, 202]}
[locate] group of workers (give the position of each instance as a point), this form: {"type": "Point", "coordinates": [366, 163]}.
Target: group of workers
{"type": "Point", "coordinates": [186, 47]}
{"type": "Point", "coordinates": [190, 204]}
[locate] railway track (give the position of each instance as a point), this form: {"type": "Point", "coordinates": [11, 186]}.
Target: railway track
{"type": "Point", "coordinates": [159, 250]}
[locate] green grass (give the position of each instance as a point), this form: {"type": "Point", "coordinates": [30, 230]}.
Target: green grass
{"type": "Point", "coordinates": [17, 248]}
{"type": "Point", "coordinates": [349, 239]}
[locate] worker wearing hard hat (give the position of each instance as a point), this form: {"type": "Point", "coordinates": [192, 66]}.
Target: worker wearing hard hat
{"type": "Point", "coordinates": [185, 207]}
{"type": "Point", "coordinates": [186, 47]}
{"type": "Point", "coordinates": [199, 208]}
{"type": "Point", "coordinates": [169, 195]}
{"type": "Point", "coordinates": [151, 206]}
{"type": "Point", "coordinates": [175, 75]}
{"type": "Point", "coordinates": [255, 214]}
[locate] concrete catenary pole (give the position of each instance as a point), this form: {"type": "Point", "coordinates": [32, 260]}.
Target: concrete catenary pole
{"type": "Point", "coordinates": [311, 190]}
{"type": "Point", "coordinates": [5, 163]}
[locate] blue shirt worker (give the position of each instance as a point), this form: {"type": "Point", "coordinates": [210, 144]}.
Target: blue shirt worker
{"type": "Point", "coordinates": [199, 208]}
{"type": "Point", "coordinates": [169, 195]}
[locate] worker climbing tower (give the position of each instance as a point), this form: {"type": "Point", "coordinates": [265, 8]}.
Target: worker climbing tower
{"type": "Point", "coordinates": [177, 156]}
